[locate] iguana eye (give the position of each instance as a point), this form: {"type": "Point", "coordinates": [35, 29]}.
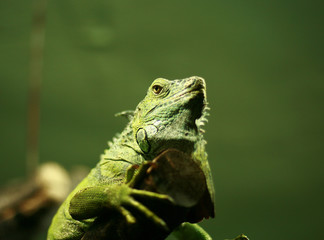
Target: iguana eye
{"type": "Point", "coordinates": [157, 89]}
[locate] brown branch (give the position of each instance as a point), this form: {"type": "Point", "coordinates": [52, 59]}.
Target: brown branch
{"type": "Point", "coordinates": [35, 79]}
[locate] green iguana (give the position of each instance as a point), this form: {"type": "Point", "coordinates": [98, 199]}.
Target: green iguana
{"type": "Point", "coordinates": [166, 123]}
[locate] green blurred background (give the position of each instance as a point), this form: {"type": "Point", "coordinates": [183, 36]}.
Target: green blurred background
{"type": "Point", "coordinates": [263, 64]}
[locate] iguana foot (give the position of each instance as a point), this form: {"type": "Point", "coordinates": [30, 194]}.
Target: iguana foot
{"type": "Point", "coordinates": [127, 198]}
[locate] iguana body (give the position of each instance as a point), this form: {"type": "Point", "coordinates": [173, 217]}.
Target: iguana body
{"type": "Point", "coordinates": [170, 116]}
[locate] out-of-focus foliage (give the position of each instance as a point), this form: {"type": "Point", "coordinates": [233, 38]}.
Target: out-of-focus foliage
{"type": "Point", "coordinates": [263, 64]}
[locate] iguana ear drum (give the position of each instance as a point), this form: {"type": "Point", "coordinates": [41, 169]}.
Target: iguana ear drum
{"type": "Point", "coordinates": [142, 141]}
{"type": "Point", "coordinates": [143, 135]}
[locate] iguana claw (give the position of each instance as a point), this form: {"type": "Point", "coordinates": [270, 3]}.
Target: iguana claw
{"type": "Point", "coordinates": [128, 200]}
{"type": "Point", "coordinates": [148, 213]}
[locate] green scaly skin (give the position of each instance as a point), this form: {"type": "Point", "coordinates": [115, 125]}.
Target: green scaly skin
{"type": "Point", "coordinates": [170, 116]}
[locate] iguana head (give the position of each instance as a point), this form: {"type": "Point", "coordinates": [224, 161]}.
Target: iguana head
{"type": "Point", "coordinates": [170, 115]}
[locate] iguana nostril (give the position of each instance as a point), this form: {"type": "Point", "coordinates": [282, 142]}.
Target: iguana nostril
{"type": "Point", "coordinates": [200, 82]}
{"type": "Point", "coordinates": [195, 83]}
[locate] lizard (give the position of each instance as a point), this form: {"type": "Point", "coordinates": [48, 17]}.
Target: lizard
{"type": "Point", "coordinates": [171, 116]}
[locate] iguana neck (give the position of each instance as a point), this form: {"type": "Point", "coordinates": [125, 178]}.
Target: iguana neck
{"type": "Point", "coordinates": [122, 149]}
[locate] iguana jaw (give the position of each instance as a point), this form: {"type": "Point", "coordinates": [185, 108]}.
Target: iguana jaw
{"type": "Point", "coordinates": [194, 97]}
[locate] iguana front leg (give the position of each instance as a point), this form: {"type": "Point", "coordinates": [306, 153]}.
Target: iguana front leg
{"type": "Point", "coordinates": [91, 202]}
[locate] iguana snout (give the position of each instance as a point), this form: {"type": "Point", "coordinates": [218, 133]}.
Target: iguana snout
{"type": "Point", "coordinates": [195, 83]}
